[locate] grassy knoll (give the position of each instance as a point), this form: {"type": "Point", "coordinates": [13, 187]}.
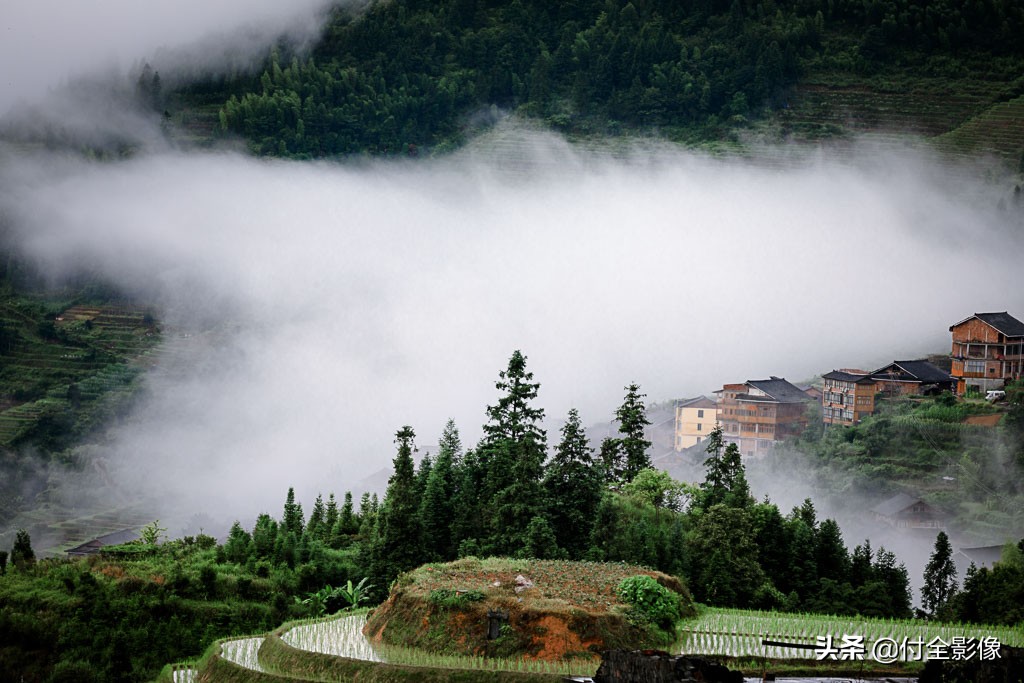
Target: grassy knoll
{"type": "Point", "coordinates": [554, 610]}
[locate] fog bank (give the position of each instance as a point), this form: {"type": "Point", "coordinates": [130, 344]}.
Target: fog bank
{"type": "Point", "coordinates": [312, 309]}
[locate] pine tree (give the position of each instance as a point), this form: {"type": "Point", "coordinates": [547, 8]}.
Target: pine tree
{"type": "Point", "coordinates": [264, 536]}
{"type": "Point", "coordinates": [572, 486]}
{"type": "Point", "coordinates": [315, 527]}
{"type": "Point", "coordinates": [632, 417]}
{"type": "Point", "coordinates": [939, 577]}
{"type": "Point", "coordinates": [469, 503]}
{"type": "Point", "coordinates": [397, 542]}
{"type": "Point", "coordinates": [831, 556]}
{"type": "Point", "coordinates": [613, 461]}
{"type": "Point", "coordinates": [293, 519]}
{"type": "Point", "coordinates": [725, 480]}
{"type": "Point", "coordinates": [896, 582]}
{"type": "Point", "coordinates": [436, 511]}
{"type": "Point", "coordinates": [423, 475]}
{"type": "Point", "coordinates": [513, 452]}
{"type": "Point", "coordinates": [330, 516]}
{"type": "Point", "coordinates": [348, 522]}
{"type": "Point", "coordinates": [22, 554]}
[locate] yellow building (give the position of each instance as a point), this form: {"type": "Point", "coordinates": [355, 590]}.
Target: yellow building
{"type": "Point", "coordinates": [695, 419]}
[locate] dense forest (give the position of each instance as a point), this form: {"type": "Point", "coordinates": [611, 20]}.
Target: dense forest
{"type": "Point", "coordinates": [410, 74]}
{"type": "Point", "coordinates": [68, 619]}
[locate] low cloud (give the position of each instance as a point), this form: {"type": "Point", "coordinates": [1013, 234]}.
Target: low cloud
{"type": "Point", "coordinates": [311, 309]}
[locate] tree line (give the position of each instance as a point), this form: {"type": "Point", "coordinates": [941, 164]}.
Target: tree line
{"type": "Point", "coordinates": [408, 74]}
{"type": "Point", "coordinates": [507, 497]}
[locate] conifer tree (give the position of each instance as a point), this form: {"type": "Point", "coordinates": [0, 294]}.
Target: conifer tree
{"type": "Point", "coordinates": [315, 527]}
{"type": "Point", "coordinates": [397, 541]}
{"type": "Point", "coordinates": [613, 461]}
{"type": "Point", "coordinates": [348, 522]}
{"type": "Point", "coordinates": [512, 452]}
{"type": "Point", "coordinates": [831, 556]}
{"type": "Point", "coordinates": [939, 577]}
{"type": "Point", "coordinates": [22, 554]}
{"type": "Point", "coordinates": [293, 520]}
{"type": "Point", "coordinates": [572, 486]}
{"type": "Point", "coordinates": [264, 536]}
{"type": "Point", "coordinates": [726, 479]}
{"type": "Point", "coordinates": [330, 516]}
{"type": "Point", "coordinates": [893, 577]}
{"type": "Point", "coordinates": [469, 505]}
{"type": "Point", "coordinates": [632, 417]}
{"type": "Point", "coordinates": [436, 510]}
{"type": "Point", "coordinates": [423, 475]}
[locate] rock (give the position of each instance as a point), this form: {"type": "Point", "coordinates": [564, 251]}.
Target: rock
{"type": "Point", "coordinates": [522, 583]}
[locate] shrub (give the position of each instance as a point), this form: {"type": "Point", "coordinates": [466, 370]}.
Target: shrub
{"type": "Point", "coordinates": [650, 599]}
{"type": "Point", "coordinates": [445, 597]}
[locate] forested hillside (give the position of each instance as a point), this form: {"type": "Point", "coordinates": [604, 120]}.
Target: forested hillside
{"type": "Point", "coordinates": [412, 74]}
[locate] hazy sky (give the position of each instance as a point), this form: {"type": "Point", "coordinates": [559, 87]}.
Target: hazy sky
{"type": "Point", "coordinates": [326, 305]}
{"type": "Point", "coordinates": [43, 43]}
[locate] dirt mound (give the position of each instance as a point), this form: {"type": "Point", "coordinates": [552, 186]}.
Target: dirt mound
{"type": "Point", "coordinates": [549, 610]}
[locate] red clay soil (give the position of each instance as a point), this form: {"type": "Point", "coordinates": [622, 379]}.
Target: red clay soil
{"type": "Point", "coordinates": [990, 420]}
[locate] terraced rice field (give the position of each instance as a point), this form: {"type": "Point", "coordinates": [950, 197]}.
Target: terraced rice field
{"type": "Point", "coordinates": [342, 637]}
{"type": "Point", "coordinates": [243, 652]}
{"type": "Point", "coordinates": [738, 633]}
{"type": "Point", "coordinates": [96, 350]}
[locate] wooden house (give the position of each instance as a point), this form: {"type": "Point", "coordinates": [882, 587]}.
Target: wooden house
{"type": "Point", "coordinates": [988, 351]}
{"type": "Point", "coordinates": [758, 414]}
{"type": "Point", "coordinates": [907, 512]}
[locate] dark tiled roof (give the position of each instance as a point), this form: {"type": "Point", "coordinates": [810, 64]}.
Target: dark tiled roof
{"type": "Point", "coordinates": [897, 503]}
{"type": "Point", "coordinates": [114, 538]}
{"type": "Point", "coordinates": [1002, 321]}
{"type": "Point", "coordinates": [779, 390]}
{"type": "Point", "coordinates": [698, 402]}
{"type": "Point", "coordinates": [841, 376]}
{"type": "Point", "coordinates": [920, 370]}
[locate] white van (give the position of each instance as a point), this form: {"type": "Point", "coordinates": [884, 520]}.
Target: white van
{"type": "Point", "coordinates": [993, 396]}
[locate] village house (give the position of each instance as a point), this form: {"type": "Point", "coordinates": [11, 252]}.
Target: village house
{"type": "Point", "coordinates": [695, 419]}
{"type": "Point", "coordinates": [988, 351]}
{"type": "Point", "coordinates": [907, 512]}
{"type": "Point", "coordinates": [917, 377]}
{"type": "Point", "coordinates": [848, 397]}
{"type": "Point", "coordinates": [758, 414]}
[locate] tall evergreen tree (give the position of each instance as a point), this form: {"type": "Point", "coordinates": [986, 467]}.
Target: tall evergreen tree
{"type": "Point", "coordinates": [293, 519]}
{"type": "Point", "coordinates": [512, 452]}
{"type": "Point", "coordinates": [725, 480]}
{"type": "Point", "coordinates": [397, 542]}
{"type": "Point", "coordinates": [632, 417]}
{"type": "Point", "coordinates": [315, 527]}
{"type": "Point", "coordinates": [22, 554]}
{"type": "Point", "coordinates": [831, 556]}
{"type": "Point", "coordinates": [572, 486]}
{"type": "Point", "coordinates": [612, 460]}
{"type": "Point", "coordinates": [893, 577]}
{"type": "Point", "coordinates": [331, 515]}
{"type": "Point", "coordinates": [469, 504]}
{"type": "Point", "coordinates": [939, 577]}
{"type": "Point", "coordinates": [436, 511]}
